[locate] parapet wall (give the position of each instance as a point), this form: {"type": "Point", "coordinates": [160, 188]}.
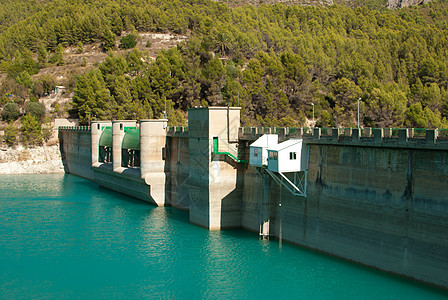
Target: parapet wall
{"type": "Point", "coordinates": [408, 138]}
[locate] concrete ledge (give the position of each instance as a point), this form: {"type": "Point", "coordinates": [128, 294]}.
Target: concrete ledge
{"type": "Point", "coordinates": [127, 182]}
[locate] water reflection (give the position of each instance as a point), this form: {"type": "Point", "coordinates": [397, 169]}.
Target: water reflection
{"type": "Point", "coordinates": [63, 237]}
{"type": "Point", "coordinates": [30, 186]}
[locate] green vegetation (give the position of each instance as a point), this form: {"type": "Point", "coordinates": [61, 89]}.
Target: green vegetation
{"type": "Point", "coordinates": [31, 131]}
{"type": "Point", "coordinates": [35, 109]}
{"type": "Point", "coordinates": [11, 134]}
{"type": "Point", "coordinates": [272, 60]}
{"type": "Point", "coordinates": [10, 112]}
{"type": "Point", "coordinates": [128, 42]}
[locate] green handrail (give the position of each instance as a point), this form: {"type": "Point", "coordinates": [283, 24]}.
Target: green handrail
{"type": "Point", "coordinates": [217, 152]}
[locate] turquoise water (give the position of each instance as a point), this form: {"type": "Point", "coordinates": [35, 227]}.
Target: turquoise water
{"type": "Point", "coordinates": [62, 237]}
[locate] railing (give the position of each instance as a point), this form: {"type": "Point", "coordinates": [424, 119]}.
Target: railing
{"type": "Point", "coordinates": [74, 128]}
{"type": "Point", "coordinates": [390, 137]}
{"type": "Point", "coordinates": [419, 133]}
{"type": "Point", "coordinates": [224, 148]}
{"type": "Point", "coordinates": [411, 136]}
{"type": "Point", "coordinates": [177, 130]}
{"type": "Point", "coordinates": [325, 132]}
{"type": "Point", "coordinates": [442, 134]}
{"type": "Point", "coordinates": [307, 131]}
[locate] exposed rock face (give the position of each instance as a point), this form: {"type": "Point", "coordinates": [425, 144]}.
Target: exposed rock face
{"type": "Point", "coordinates": [39, 160]}
{"type": "Point", "coordinates": [286, 2]}
{"type": "Point", "coordinates": [302, 2]}
{"type": "Point", "coordinates": [404, 3]}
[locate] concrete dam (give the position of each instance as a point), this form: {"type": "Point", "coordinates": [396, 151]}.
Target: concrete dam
{"type": "Point", "coordinates": [377, 197]}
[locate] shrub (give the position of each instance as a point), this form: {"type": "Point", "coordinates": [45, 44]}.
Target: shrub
{"type": "Point", "coordinates": [31, 130]}
{"type": "Point", "coordinates": [44, 85]}
{"type": "Point", "coordinates": [109, 40]}
{"type": "Point", "coordinates": [35, 109]}
{"type": "Point", "coordinates": [10, 112]}
{"type": "Point", "coordinates": [129, 41]}
{"type": "Point", "coordinates": [25, 79]}
{"type": "Point", "coordinates": [80, 47]}
{"type": "Point", "coordinates": [47, 132]}
{"type": "Point", "coordinates": [11, 133]}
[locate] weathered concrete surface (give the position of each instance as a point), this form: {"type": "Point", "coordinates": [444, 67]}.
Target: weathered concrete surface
{"type": "Point", "coordinates": [152, 159]}
{"type": "Point", "coordinates": [124, 180]}
{"type": "Point", "coordinates": [178, 164]}
{"type": "Point", "coordinates": [76, 152]}
{"type": "Point", "coordinates": [213, 183]}
{"type": "Point", "coordinates": [385, 208]}
{"type": "Point", "coordinates": [118, 132]}
{"type": "Point", "coordinates": [379, 205]}
{"type": "Point", "coordinates": [96, 131]}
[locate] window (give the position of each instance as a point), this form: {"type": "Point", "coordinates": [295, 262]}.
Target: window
{"type": "Point", "coordinates": [255, 152]}
{"type": "Point", "coordinates": [275, 154]}
{"type": "Point", "coordinates": [292, 155]}
{"type": "Point", "coordinates": [271, 155]}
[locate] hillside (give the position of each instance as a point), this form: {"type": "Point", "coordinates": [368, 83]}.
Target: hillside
{"type": "Point", "coordinates": [273, 60]}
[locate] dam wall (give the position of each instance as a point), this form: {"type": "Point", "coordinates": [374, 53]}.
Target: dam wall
{"type": "Point", "coordinates": [385, 208]}
{"type": "Point", "coordinates": [376, 197]}
{"type": "Point", "coordinates": [75, 144]}
{"type": "Point", "coordinates": [178, 164]}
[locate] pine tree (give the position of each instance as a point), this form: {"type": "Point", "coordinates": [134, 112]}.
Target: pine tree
{"type": "Point", "coordinates": [31, 131]}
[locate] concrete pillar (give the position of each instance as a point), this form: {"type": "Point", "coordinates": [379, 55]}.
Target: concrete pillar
{"type": "Point", "coordinates": [265, 210]}
{"type": "Point", "coordinates": [253, 130]}
{"type": "Point", "coordinates": [403, 136]}
{"type": "Point", "coordinates": [96, 130]}
{"type": "Point", "coordinates": [387, 132]}
{"type": "Point", "coordinates": [378, 135]}
{"type": "Point", "coordinates": [316, 133]}
{"type": "Point", "coordinates": [431, 136]}
{"type": "Point", "coordinates": [281, 132]}
{"type": "Point", "coordinates": [299, 132]}
{"type": "Point", "coordinates": [152, 158]}
{"type": "Point", "coordinates": [335, 134]}
{"type": "Point", "coordinates": [355, 134]}
{"type": "Point", "coordinates": [118, 130]}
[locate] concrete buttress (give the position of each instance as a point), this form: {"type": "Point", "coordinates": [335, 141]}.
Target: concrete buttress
{"type": "Point", "coordinates": [152, 157]}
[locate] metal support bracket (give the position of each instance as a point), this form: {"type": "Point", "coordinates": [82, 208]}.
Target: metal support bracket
{"type": "Point", "coordinates": [297, 187]}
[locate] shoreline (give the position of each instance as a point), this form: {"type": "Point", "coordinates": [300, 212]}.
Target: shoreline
{"type": "Point", "coordinates": [38, 160]}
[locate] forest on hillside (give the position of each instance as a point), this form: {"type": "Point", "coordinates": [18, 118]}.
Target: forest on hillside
{"type": "Point", "coordinates": [274, 61]}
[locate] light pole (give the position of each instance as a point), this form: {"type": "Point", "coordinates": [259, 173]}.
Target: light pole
{"type": "Point", "coordinates": [312, 104]}
{"type": "Point", "coordinates": [358, 111]}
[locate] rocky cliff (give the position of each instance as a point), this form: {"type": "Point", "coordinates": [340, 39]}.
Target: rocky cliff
{"type": "Point", "coordinates": [404, 3]}
{"type": "Point", "coordinates": [39, 160]}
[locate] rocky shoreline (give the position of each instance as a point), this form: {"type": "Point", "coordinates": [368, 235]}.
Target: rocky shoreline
{"type": "Point", "coordinates": [38, 160]}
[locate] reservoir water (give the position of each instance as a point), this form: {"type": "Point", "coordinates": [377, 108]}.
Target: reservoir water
{"type": "Point", "coordinates": [63, 237]}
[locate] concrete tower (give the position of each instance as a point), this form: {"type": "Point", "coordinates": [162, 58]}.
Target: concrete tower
{"type": "Point", "coordinates": [213, 182]}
